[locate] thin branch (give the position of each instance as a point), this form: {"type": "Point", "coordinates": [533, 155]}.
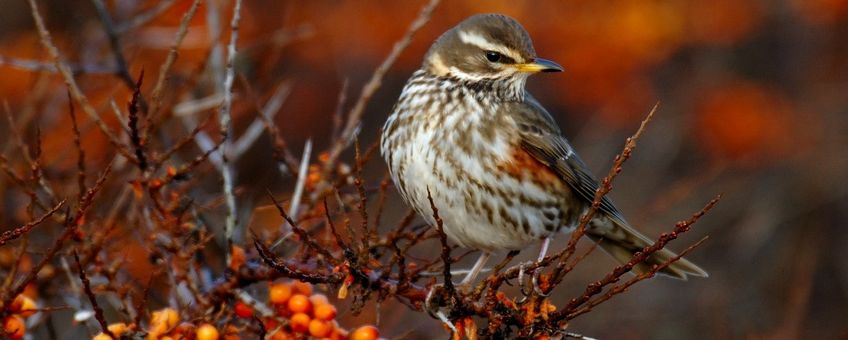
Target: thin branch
{"type": "Point", "coordinates": [98, 312]}
{"type": "Point", "coordinates": [71, 225]}
{"type": "Point", "coordinates": [22, 230]}
{"type": "Point", "coordinates": [603, 189]}
{"type": "Point", "coordinates": [47, 66]}
{"type": "Point", "coordinates": [304, 236]}
{"type": "Point", "coordinates": [80, 152]}
{"type": "Point", "coordinates": [226, 127]}
{"type": "Point", "coordinates": [64, 70]}
{"type": "Point", "coordinates": [355, 114]}
{"type": "Point", "coordinates": [618, 289]}
{"type": "Point", "coordinates": [446, 250]}
{"type": "Point", "coordinates": [596, 287]}
{"type": "Point", "coordinates": [141, 19]}
{"type": "Point", "coordinates": [132, 123]}
{"type": "Point", "coordinates": [117, 51]}
{"type": "Point", "coordinates": [170, 59]}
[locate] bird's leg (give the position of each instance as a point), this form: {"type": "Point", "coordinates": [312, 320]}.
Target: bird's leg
{"type": "Point", "coordinates": [543, 251]}
{"type": "Point", "coordinates": [478, 266]}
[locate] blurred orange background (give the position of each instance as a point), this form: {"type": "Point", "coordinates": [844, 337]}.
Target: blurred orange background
{"type": "Point", "coordinates": [754, 105]}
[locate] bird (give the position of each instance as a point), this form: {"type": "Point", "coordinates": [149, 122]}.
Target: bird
{"type": "Point", "coordinates": [466, 133]}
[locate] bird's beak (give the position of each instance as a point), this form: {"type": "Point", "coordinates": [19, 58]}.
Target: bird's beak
{"type": "Point", "coordinates": [539, 65]}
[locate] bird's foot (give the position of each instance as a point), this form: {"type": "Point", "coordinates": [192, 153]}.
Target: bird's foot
{"type": "Point", "coordinates": [433, 307]}
{"type": "Point", "coordinates": [534, 279]}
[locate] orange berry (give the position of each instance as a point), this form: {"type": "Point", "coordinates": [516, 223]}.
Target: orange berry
{"type": "Point", "coordinates": [299, 322]}
{"type": "Point", "coordinates": [280, 334]}
{"type": "Point", "coordinates": [320, 328]}
{"type": "Point", "coordinates": [302, 288]}
{"type": "Point", "coordinates": [238, 258]}
{"type": "Point", "coordinates": [102, 336]}
{"type": "Point", "coordinates": [14, 327]}
{"type": "Point", "coordinates": [279, 293]}
{"type": "Point", "coordinates": [232, 332]}
{"type": "Point", "coordinates": [300, 304]}
{"type": "Point", "coordinates": [24, 306]}
{"type": "Point", "coordinates": [325, 311]}
{"type": "Point", "coordinates": [365, 333]}
{"type": "Point", "coordinates": [118, 328]}
{"type": "Point", "coordinates": [207, 332]}
{"type": "Point", "coordinates": [243, 310]}
{"type": "Point", "coordinates": [338, 333]}
{"type": "Point", "coordinates": [163, 320]}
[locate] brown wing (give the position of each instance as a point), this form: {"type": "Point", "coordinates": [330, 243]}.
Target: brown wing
{"type": "Point", "coordinates": [542, 139]}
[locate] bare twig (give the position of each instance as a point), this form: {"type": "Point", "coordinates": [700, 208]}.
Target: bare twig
{"type": "Point", "coordinates": [170, 59]}
{"type": "Point", "coordinates": [141, 19]}
{"type": "Point", "coordinates": [132, 123]}
{"type": "Point", "coordinates": [355, 114]}
{"type": "Point", "coordinates": [98, 312]}
{"type": "Point", "coordinates": [605, 188]}
{"type": "Point", "coordinates": [117, 51]}
{"type": "Point", "coordinates": [80, 152]}
{"type": "Point", "coordinates": [22, 230]}
{"type": "Point", "coordinates": [446, 250]}
{"type": "Point", "coordinates": [226, 127]}
{"type": "Point", "coordinates": [64, 70]}
{"type": "Point", "coordinates": [596, 287]}
{"type": "Point", "coordinates": [46, 66]}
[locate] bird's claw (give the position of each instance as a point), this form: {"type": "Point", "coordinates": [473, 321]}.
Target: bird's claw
{"type": "Point", "coordinates": [429, 299]}
{"type": "Point", "coordinates": [534, 281]}
{"type": "Point", "coordinates": [436, 313]}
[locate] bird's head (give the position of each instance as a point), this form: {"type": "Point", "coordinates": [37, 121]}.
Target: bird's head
{"type": "Point", "coordinates": [486, 47]}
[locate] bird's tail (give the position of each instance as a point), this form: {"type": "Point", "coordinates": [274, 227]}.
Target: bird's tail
{"type": "Point", "coordinates": [622, 241]}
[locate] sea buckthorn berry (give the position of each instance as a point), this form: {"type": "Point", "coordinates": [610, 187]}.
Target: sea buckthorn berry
{"type": "Point", "coordinates": [232, 332]}
{"type": "Point", "coordinates": [118, 328]}
{"type": "Point", "coordinates": [24, 306]}
{"type": "Point", "coordinates": [279, 293]}
{"type": "Point", "coordinates": [14, 327]}
{"type": "Point", "coordinates": [207, 332]}
{"type": "Point", "coordinates": [299, 322]}
{"type": "Point", "coordinates": [339, 334]}
{"type": "Point", "coordinates": [102, 336]}
{"type": "Point", "coordinates": [302, 288]}
{"type": "Point", "coordinates": [163, 320]}
{"type": "Point", "coordinates": [320, 328]}
{"type": "Point", "coordinates": [300, 304]}
{"type": "Point", "coordinates": [324, 311]}
{"type": "Point", "coordinates": [243, 310]}
{"type": "Point", "coordinates": [365, 333]}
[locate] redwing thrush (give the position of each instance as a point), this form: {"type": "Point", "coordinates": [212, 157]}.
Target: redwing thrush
{"type": "Point", "coordinates": [493, 159]}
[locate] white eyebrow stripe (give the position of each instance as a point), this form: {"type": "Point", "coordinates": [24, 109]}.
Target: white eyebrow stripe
{"type": "Point", "coordinates": [478, 40]}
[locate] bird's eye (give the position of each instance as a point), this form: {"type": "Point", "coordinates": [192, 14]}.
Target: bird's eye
{"type": "Point", "coordinates": [493, 56]}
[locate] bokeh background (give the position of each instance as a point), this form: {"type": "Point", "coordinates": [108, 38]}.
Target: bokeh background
{"type": "Point", "coordinates": [754, 105]}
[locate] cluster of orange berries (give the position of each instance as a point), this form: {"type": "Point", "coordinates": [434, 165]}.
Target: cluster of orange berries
{"type": "Point", "coordinates": [21, 308]}
{"type": "Point", "coordinates": [165, 325]}
{"type": "Point", "coordinates": [298, 312]}
{"type": "Point", "coordinates": [307, 314]}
